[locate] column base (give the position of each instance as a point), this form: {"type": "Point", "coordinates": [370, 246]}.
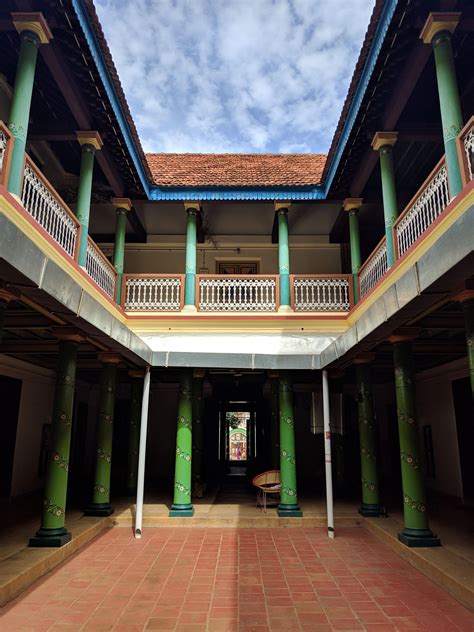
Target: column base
{"type": "Point", "coordinates": [189, 309]}
{"type": "Point", "coordinates": [289, 511]}
{"type": "Point", "coordinates": [181, 511]}
{"type": "Point", "coordinates": [285, 309]}
{"type": "Point", "coordinates": [102, 510]}
{"type": "Point", "coordinates": [50, 537]}
{"type": "Point", "coordinates": [418, 538]}
{"type": "Point", "coordinates": [370, 511]}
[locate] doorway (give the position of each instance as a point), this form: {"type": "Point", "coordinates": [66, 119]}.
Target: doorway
{"type": "Point", "coordinates": [232, 268]}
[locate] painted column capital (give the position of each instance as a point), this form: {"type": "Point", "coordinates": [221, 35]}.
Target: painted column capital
{"type": "Point", "coordinates": [199, 374]}
{"type": "Point", "coordinates": [34, 23]}
{"type": "Point", "coordinates": [90, 141]}
{"type": "Point", "coordinates": [136, 373]}
{"type": "Point", "coordinates": [438, 23]}
{"type": "Point", "coordinates": [463, 296]}
{"type": "Point", "coordinates": [192, 208]}
{"type": "Point", "coordinates": [364, 358]}
{"type": "Point", "coordinates": [282, 208]}
{"type": "Point", "coordinates": [404, 334]}
{"type": "Point", "coordinates": [68, 333]}
{"type": "Point", "coordinates": [122, 205]}
{"type": "Point", "coordinates": [352, 205]}
{"type": "Point", "coordinates": [383, 140]}
{"type": "Point", "coordinates": [110, 358]}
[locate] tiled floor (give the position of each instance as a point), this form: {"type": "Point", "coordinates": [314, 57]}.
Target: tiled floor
{"type": "Point", "coordinates": [236, 579]}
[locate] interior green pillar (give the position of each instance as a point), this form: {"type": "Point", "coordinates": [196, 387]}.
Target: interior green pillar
{"type": "Point", "coordinates": [197, 461]}
{"type": "Point", "coordinates": [437, 32]}
{"type": "Point", "coordinates": [352, 206]}
{"type": "Point", "coordinates": [367, 438]}
{"type": "Point", "coordinates": [52, 531]}
{"type": "Point", "coordinates": [383, 143]}
{"type": "Point", "coordinates": [289, 498]}
{"type": "Point", "coordinates": [274, 422]}
{"type": "Point", "coordinates": [33, 32]}
{"type": "Point", "coordinates": [283, 256]}
{"type": "Point", "coordinates": [182, 480]}
{"type": "Point", "coordinates": [123, 205]}
{"type": "Point", "coordinates": [136, 391]}
{"type": "Point", "coordinates": [90, 143]}
{"type": "Point", "coordinates": [100, 505]}
{"type": "Point", "coordinates": [192, 209]}
{"type": "Point", "coordinates": [416, 532]}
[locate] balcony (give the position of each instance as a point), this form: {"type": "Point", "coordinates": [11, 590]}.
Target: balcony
{"type": "Point", "coordinates": [235, 294]}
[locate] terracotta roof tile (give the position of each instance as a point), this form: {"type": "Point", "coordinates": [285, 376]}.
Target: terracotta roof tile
{"type": "Point", "coordinates": [236, 170]}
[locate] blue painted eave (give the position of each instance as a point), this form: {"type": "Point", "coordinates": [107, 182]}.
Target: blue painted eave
{"type": "Point", "coordinates": [230, 193]}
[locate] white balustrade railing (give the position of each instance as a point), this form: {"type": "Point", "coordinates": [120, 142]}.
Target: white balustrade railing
{"type": "Point", "coordinates": [467, 140]}
{"type": "Point", "coordinates": [373, 269]}
{"type": "Point", "coordinates": [153, 292]}
{"type": "Point", "coordinates": [48, 209]}
{"type": "Point", "coordinates": [237, 293]}
{"type": "Point", "coordinates": [3, 147]}
{"type": "Point", "coordinates": [421, 212]}
{"type": "Point", "coordinates": [99, 268]}
{"type": "Point", "coordinates": [322, 293]}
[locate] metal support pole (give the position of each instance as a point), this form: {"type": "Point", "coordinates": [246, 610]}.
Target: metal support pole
{"type": "Point", "coordinates": [142, 455]}
{"type": "Point", "coordinates": [327, 456]}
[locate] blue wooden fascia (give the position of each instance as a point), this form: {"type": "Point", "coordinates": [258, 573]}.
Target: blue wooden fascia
{"type": "Point", "coordinates": [96, 53]}
{"type": "Point", "coordinates": [231, 193]}
{"type": "Point", "coordinates": [372, 57]}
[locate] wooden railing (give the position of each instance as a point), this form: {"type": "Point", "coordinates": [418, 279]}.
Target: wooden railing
{"type": "Point", "coordinates": [153, 292]}
{"type": "Point", "coordinates": [44, 204]}
{"type": "Point", "coordinates": [465, 142]}
{"type": "Point", "coordinates": [427, 205]}
{"type": "Point", "coordinates": [373, 269]}
{"type": "Point", "coordinates": [321, 293]}
{"type": "Point", "coordinates": [99, 268]}
{"type": "Point", "coordinates": [6, 148]}
{"type": "Point", "coordinates": [237, 293]}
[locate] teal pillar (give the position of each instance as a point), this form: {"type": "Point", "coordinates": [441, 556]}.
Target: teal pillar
{"type": "Point", "coordinates": [136, 392]}
{"type": "Point", "coordinates": [197, 461]}
{"type": "Point", "coordinates": [416, 532]}
{"type": "Point", "coordinates": [182, 506]}
{"type": "Point", "coordinates": [370, 506]}
{"type": "Point", "coordinates": [33, 32]}
{"type": "Point", "coordinates": [274, 423]}
{"type": "Point", "coordinates": [352, 205]}
{"type": "Point", "coordinates": [123, 206]}
{"type": "Point", "coordinates": [90, 143]}
{"type": "Point", "coordinates": [383, 143]}
{"type": "Point", "coordinates": [437, 32]}
{"type": "Point", "coordinates": [289, 498]}
{"type": "Point", "coordinates": [191, 245]}
{"type": "Point", "coordinates": [283, 257]}
{"type": "Point", "coordinates": [53, 531]}
{"type": "Point", "coordinates": [100, 505]}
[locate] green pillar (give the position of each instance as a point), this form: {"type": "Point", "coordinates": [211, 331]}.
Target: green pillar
{"type": "Point", "coordinates": [437, 32]}
{"type": "Point", "coordinates": [197, 462]}
{"type": "Point", "coordinates": [352, 205]}
{"type": "Point", "coordinates": [100, 505]}
{"type": "Point", "coordinates": [191, 241]}
{"type": "Point", "coordinates": [367, 439]}
{"type": "Point", "coordinates": [123, 206]}
{"type": "Point", "coordinates": [416, 532]}
{"type": "Point", "coordinates": [274, 423]}
{"type": "Point", "coordinates": [90, 143]}
{"type": "Point", "coordinates": [52, 531]}
{"type": "Point", "coordinates": [33, 32]}
{"type": "Point", "coordinates": [468, 309]}
{"type": "Point", "coordinates": [182, 481]}
{"type": "Point", "coordinates": [383, 143]}
{"type": "Point", "coordinates": [283, 257]}
{"type": "Point", "coordinates": [289, 499]}
{"type": "Point", "coordinates": [136, 391]}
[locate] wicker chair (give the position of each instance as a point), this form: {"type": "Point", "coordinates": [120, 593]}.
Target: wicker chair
{"type": "Point", "coordinates": [267, 483]}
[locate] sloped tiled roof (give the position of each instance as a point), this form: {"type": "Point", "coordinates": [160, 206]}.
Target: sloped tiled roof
{"type": "Point", "coordinates": [236, 170]}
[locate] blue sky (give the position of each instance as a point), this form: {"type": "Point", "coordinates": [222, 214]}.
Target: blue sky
{"type": "Point", "coordinates": [235, 75]}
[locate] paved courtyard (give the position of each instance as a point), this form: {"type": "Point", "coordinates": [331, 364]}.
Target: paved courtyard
{"type": "Point", "coordinates": [236, 579]}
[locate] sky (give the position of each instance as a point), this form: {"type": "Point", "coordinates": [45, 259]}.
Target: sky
{"type": "Point", "coordinates": [246, 76]}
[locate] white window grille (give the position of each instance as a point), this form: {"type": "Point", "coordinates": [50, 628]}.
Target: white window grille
{"type": "Point", "coordinates": [237, 294]}
{"type": "Point", "coordinates": [421, 213]}
{"type": "Point", "coordinates": [56, 219]}
{"type": "Point", "coordinates": [100, 269]}
{"type": "Point", "coordinates": [374, 269]}
{"type": "Point", "coordinates": [321, 294]}
{"type": "Point", "coordinates": [468, 143]}
{"type": "Point", "coordinates": [153, 293]}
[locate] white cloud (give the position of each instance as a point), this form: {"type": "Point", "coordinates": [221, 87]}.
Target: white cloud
{"type": "Point", "coordinates": [235, 75]}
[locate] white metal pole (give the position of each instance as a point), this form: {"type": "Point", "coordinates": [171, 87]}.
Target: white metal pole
{"type": "Point", "coordinates": [327, 455]}
{"type": "Point", "coordinates": [142, 454]}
